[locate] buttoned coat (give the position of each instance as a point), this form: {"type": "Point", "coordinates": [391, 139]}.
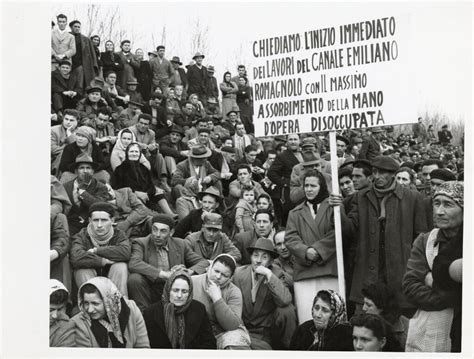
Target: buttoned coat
{"type": "Point", "coordinates": [280, 171]}
{"type": "Point", "coordinates": [303, 232]}
{"type": "Point", "coordinates": [62, 44]}
{"type": "Point", "coordinates": [370, 149]}
{"type": "Point", "coordinates": [405, 219]}
{"type": "Point", "coordinates": [222, 245]}
{"type": "Point", "coordinates": [270, 295]}
{"type": "Point", "coordinates": [144, 259]}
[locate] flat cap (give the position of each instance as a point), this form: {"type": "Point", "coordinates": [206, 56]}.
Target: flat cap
{"type": "Point", "coordinates": [163, 218]}
{"type": "Point", "coordinates": [385, 163]}
{"type": "Point", "coordinates": [443, 174]}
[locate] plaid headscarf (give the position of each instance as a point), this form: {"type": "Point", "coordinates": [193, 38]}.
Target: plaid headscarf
{"type": "Point", "coordinates": [453, 190]}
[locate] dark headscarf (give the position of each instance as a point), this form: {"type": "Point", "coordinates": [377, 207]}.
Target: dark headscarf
{"type": "Point", "coordinates": [323, 188]}
{"type": "Point", "coordinates": [174, 316]}
{"type": "Point", "coordinates": [225, 73]}
{"type": "Point", "coordinates": [135, 169]}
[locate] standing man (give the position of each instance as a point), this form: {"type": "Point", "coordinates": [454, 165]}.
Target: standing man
{"type": "Point", "coordinates": [445, 136]}
{"type": "Point", "coordinates": [63, 44]}
{"type": "Point", "coordinates": [280, 173]}
{"type": "Point", "coordinates": [386, 218]}
{"type": "Point", "coordinates": [130, 64]}
{"type": "Point", "coordinates": [179, 77]}
{"type": "Point", "coordinates": [162, 70]}
{"type": "Point", "coordinates": [419, 132]}
{"type": "Point", "coordinates": [197, 78]}
{"type": "Point", "coordinates": [241, 72]}
{"type": "Point", "coordinates": [212, 90]}
{"type": "Point", "coordinates": [361, 172]}
{"type": "Point", "coordinates": [84, 61]}
{"type": "Point", "coordinates": [371, 147]}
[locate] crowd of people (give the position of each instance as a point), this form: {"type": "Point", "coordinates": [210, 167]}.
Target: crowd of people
{"type": "Point", "coordinates": [173, 226]}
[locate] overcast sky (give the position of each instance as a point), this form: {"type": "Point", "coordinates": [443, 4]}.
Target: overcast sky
{"type": "Point", "coordinates": [442, 37]}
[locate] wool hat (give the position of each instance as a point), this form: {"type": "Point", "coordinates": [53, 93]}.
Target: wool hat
{"type": "Point", "coordinates": [164, 219]}
{"type": "Point", "coordinates": [102, 207]}
{"type": "Point", "coordinates": [200, 151]}
{"type": "Point", "coordinates": [55, 285]}
{"type": "Point", "coordinates": [212, 220]}
{"type": "Point", "coordinates": [442, 174]}
{"type": "Point", "coordinates": [87, 132]}
{"type": "Point", "coordinates": [385, 163]}
{"type": "Point", "coordinates": [198, 54]}
{"type": "Point", "coordinates": [176, 60]}
{"type": "Point", "coordinates": [265, 245]}
{"type": "Point", "coordinates": [453, 190]}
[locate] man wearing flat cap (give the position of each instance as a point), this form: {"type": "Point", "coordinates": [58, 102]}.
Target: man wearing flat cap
{"type": "Point", "coordinates": [162, 70]}
{"type": "Point", "coordinates": [100, 249]}
{"type": "Point", "coordinates": [267, 311]}
{"type": "Point", "coordinates": [197, 78]}
{"type": "Point", "coordinates": [210, 241]}
{"type": "Point", "coordinates": [371, 147]}
{"type": "Point", "coordinates": [84, 144]}
{"type": "Point", "coordinates": [83, 191]}
{"type": "Point", "coordinates": [386, 218]}
{"type": "Point", "coordinates": [90, 105]}
{"type": "Point", "coordinates": [155, 257]}
{"type": "Point", "coordinates": [179, 77]}
{"type": "Point", "coordinates": [173, 149]}
{"type": "Point", "coordinates": [129, 116]}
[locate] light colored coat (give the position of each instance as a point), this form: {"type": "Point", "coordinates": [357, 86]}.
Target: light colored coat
{"type": "Point", "coordinates": [62, 44]}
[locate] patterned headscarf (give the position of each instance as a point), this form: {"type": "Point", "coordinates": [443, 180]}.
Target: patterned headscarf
{"type": "Point", "coordinates": [174, 316]}
{"type": "Point", "coordinates": [87, 132]}
{"type": "Point", "coordinates": [111, 297]}
{"type": "Point", "coordinates": [453, 190]}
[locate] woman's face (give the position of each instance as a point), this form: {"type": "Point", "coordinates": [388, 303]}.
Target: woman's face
{"type": "Point", "coordinates": [134, 153]}
{"type": "Point", "coordinates": [139, 54]}
{"type": "Point", "coordinates": [370, 307]}
{"type": "Point", "coordinates": [263, 203]}
{"type": "Point", "coordinates": [227, 77]}
{"type": "Point", "coordinates": [94, 305]}
{"type": "Point", "coordinates": [126, 139]}
{"type": "Point", "coordinates": [403, 178]}
{"type": "Point", "coordinates": [95, 41]}
{"type": "Point", "coordinates": [179, 292]}
{"type": "Point", "coordinates": [311, 187]}
{"type": "Point", "coordinates": [109, 46]}
{"type": "Point", "coordinates": [321, 313]}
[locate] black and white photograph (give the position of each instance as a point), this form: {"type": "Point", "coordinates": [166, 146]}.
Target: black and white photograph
{"type": "Point", "coordinates": [207, 176]}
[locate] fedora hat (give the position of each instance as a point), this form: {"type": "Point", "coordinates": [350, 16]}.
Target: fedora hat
{"type": "Point", "coordinates": [198, 54]}
{"type": "Point", "coordinates": [310, 159]}
{"type": "Point", "coordinates": [154, 53]}
{"type": "Point", "coordinates": [210, 68]}
{"type": "Point", "coordinates": [177, 129]}
{"type": "Point", "coordinates": [200, 151]}
{"type": "Point", "coordinates": [211, 190]}
{"type": "Point", "coordinates": [176, 60]}
{"type": "Point", "coordinates": [84, 158]}
{"type": "Point", "coordinates": [265, 245]}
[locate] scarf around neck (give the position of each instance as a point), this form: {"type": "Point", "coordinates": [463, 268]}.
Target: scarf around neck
{"type": "Point", "coordinates": [384, 193]}
{"type": "Point", "coordinates": [100, 240]}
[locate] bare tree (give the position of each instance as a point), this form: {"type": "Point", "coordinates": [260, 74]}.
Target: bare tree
{"type": "Point", "coordinates": [199, 38]}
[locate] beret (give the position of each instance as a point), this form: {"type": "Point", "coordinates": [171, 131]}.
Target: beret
{"type": "Point", "coordinates": [163, 218]}
{"type": "Point", "coordinates": [385, 163]}
{"type": "Point", "coordinates": [102, 207]}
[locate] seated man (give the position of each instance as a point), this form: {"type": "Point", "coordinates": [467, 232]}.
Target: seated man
{"type": "Point", "coordinates": [59, 248]}
{"type": "Point", "coordinates": [62, 135]}
{"type": "Point", "coordinates": [85, 142]}
{"type": "Point", "coordinates": [116, 98]}
{"type": "Point", "coordinates": [244, 178]}
{"type": "Point", "coordinates": [173, 149]}
{"type": "Point", "coordinates": [105, 132]}
{"type": "Point", "coordinates": [250, 159]}
{"type": "Point", "coordinates": [62, 330]}
{"type": "Point", "coordinates": [267, 312]}
{"type": "Point", "coordinates": [197, 166]}
{"type": "Point", "coordinates": [223, 302]}
{"type": "Point", "coordinates": [90, 105]}
{"type": "Point", "coordinates": [129, 116]}
{"type": "Point", "coordinates": [101, 250]}
{"type": "Point", "coordinates": [155, 257]}
{"type": "Point", "coordinates": [210, 241]}
{"type": "Point", "coordinates": [83, 191]}
{"type": "Point", "coordinates": [263, 228]}
{"type": "Point", "coordinates": [66, 89]}
{"type": "Point", "coordinates": [210, 201]}
{"type": "Point", "coordinates": [285, 259]}
{"type": "Point", "coordinates": [370, 334]}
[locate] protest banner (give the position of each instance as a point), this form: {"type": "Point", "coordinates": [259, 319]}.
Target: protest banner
{"type": "Point", "coordinates": [334, 77]}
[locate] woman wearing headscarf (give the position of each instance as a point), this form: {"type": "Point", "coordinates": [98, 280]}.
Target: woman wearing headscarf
{"type": "Point", "coordinates": [124, 138]}
{"type": "Point", "coordinates": [132, 173]}
{"type": "Point", "coordinates": [178, 321]}
{"type": "Point", "coordinates": [328, 330]}
{"type": "Point", "coordinates": [188, 199]}
{"type": "Point", "coordinates": [229, 90]}
{"type": "Point", "coordinates": [436, 326]}
{"type": "Point", "coordinates": [310, 239]}
{"type": "Point", "coordinates": [107, 319]}
{"type": "Point", "coordinates": [61, 328]}
{"type": "Point", "coordinates": [110, 61]}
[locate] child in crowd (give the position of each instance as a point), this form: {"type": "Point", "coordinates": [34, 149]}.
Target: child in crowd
{"type": "Point", "coordinates": [245, 209]}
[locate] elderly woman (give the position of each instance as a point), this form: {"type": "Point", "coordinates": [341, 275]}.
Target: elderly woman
{"type": "Point", "coordinates": [110, 61]}
{"type": "Point", "coordinates": [328, 330]}
{"type": "Point", "coordinates": [178, 321]}
{"type": "Point", "coordinates": [229, 91]}
{"type": "Point", "coordinates": [124, 138]}
{"type": "Point", "coordinates": [132, 173]}
{"type": "Point", "coordinates": [431, 327]}
{"type": "Point", "coordinates": [107, 319]}
{"type": "Point", "coordinates": [188, 199]}
{"type": "Point", "coordinates": [311, 240]}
